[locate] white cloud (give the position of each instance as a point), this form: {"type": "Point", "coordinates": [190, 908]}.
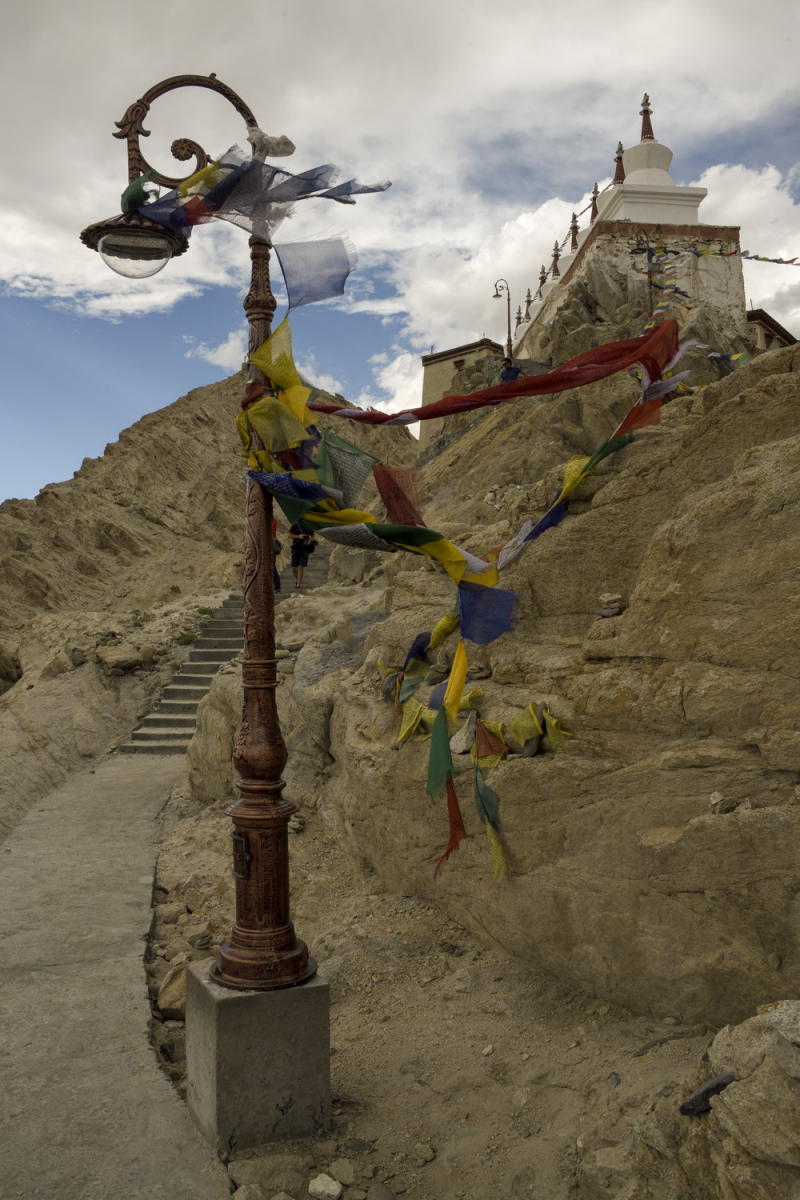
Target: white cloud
{"type": "Point", "coordinates": [307, 366]}
{"type": "Point", "coordinates": [761, 202]}
{"type": "Point", "coordinates": [228, 354]}
{"type": "Point", "coordinates": [417, 96]}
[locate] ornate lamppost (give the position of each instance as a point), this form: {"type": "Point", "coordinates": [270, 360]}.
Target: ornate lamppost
{"type": "Point", "coordinates": [262, 951]}
{"type": "Point", "coordinates": [500, 287]}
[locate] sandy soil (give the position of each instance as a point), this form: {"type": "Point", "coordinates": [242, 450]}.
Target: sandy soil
{"type": "Point", "coordinates": [467, 1074]}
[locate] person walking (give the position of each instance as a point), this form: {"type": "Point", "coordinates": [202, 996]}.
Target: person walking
{"type": "Point", "coordinates": [303, 545]}
{"type": "Point", "coordinates": [509, 371]}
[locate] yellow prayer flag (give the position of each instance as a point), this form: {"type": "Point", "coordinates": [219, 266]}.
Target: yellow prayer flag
{"type": "Point", "coordinates": [201, 181]}
{"type": "Point", "coordinates": [274, 358]}
{"type": "Point", "coordinates": [322, 515]}
{"type": "Point", "coordinates": [525, 726]}
{"type": "Point", "coordinates": [443, 627]}
{"type": "Point", "coordinates": [573, 475]}
{"type": "Point", "coordinates": [497, 854]}
{"type": "Point", "coordinates": [412, 715]}
{"type": "Point", "coordinates": [275, 424]}
{"type": "Point", "coordinates": [455, 684]}
{"type": "Point", "coordinates": [555, 734]}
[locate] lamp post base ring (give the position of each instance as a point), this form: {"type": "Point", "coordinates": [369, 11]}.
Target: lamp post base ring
{"type": "Point", "coordinates": [233, 970]}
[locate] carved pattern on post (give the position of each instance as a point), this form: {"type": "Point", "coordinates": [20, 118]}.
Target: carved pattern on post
{"type": "Point", "coordinates": [259, 303]}
{"type": "Point", "coordinates": [131, 127]}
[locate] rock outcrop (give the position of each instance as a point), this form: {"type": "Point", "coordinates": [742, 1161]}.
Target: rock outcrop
{"type": "Point", "coordinates": [107, 577]}
{"type": "Point", "coordinates": [745, 1144]}
{"type": "Point", "coordinates": [654, 857]}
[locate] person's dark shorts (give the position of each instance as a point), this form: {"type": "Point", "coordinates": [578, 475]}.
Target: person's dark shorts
{"type": "Point", "coordinates": [300, 554]}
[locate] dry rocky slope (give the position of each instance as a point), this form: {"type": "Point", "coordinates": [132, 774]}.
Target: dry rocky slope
{"type": "Point", "coordinates": [654, 859]}
{"type": "Point", "coordinates": [103, 580]}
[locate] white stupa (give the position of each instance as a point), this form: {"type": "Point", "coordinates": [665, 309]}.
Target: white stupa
{"type": "Point", "coordinates": [643, 190]}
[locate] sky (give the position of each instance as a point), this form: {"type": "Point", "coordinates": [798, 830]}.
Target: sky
{"type": "Point", "coordinates": [492, 119]}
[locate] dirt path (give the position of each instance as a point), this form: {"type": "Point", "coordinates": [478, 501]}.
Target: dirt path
{"type": "Point", "coordinates": [464, 1075]}
{"type": "Point", "coordinates": [86, 1113]}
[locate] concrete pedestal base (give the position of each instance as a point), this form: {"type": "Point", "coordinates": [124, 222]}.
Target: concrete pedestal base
{"type": "Point", "coordinates": [257, 1063]}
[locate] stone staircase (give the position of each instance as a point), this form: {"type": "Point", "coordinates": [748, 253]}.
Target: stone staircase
{"type": "Point", "coordinates": [169, 728]}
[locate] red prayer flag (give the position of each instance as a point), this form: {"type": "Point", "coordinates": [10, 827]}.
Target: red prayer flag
{"type": "Point", "coordinates": [653, 350]}
{"type": "Point", "coordinates": [457, 830]}
{"type": "Point", "coordinates": [646, 413]}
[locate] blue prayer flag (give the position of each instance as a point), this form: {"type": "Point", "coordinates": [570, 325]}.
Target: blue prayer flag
{"type": "Point", "coordinates": [486, 612]}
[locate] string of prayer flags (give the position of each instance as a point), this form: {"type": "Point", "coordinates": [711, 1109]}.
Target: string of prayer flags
{"type": "Point", "coordinates": [652, 350]}
{"type": "Point", "coordinates": [702, 252]}
{"type": "Point", "coordinates": [315, 271]}
{"type": "Point", "coordinates": [397, 487]}
{"type": "Point", "coordinates": [252, 194]}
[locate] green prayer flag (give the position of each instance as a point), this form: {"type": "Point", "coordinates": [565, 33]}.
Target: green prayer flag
{"type": "Point", "coordinates": [440, 762]}
{"type": "Point", "coordinates": [605, 448]}
{"type": "Point", "coordinates": [487, 801]}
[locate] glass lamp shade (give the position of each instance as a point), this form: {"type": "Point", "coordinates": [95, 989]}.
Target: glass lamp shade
{"type": "Point", "coordinates": [135, 253]}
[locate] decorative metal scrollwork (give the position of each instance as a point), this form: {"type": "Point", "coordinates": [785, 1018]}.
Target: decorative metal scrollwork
{"type": "Point", "coordinates": [131, 127]}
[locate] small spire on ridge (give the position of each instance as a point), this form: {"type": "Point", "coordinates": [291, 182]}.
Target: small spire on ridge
{"type": "Point", "coordinates": [573, 230]}
{"type": "Point", "coordinates": [647, 128]}
{"type": "Point", "coordinates": [619, 173]}
{"type": "Point", "coordinates": [554, 271]}
{"type": "Point", "coordinates": [593, 213]}
{"type": "Point", "coordinates": [542, 281]}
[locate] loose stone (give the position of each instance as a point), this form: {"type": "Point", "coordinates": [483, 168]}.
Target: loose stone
{"type": "Point", "coordinates": [322, 1187]}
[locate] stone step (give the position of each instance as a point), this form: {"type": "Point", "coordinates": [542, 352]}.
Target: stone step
{"type": "Point", "coordinates": [230, 642]}
{"type": "Point", "coordinates": [160, 734]}
{"type": "Point", "coordinates": [175, 692]}
{"type": "Point", "coordinates": [152, 748]}
{"type": "Point", "coordinates": [168, 720]}
{"type": "Point", "coordinates": [222, 629]}
{"type": "Point", "coordinates": [203, 669]}
{"type": "Point", "coordinates": [170, 707]}
{"type": "Point", "coordinates": [210, 656]}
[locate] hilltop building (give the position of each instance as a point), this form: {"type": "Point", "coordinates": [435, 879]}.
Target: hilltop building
{"type": "Point", "coordinates": [611, 271]}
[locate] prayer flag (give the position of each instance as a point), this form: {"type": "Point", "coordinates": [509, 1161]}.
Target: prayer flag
{"type": "Point", "coordinates": [343, 465]}
{"type": "Point", "coordinates": [274, 358]}
{"type": "Point", "coordinates": [652, 350]}
{"type": "Point", "coordinates": [397, 487]}
{"type": "Point", "coordinates": [455, 685]}
{"type": "Point", "coordinates": [315, 271]}
{"type": "Point", "coordinates": [440, 763]}
{"type": "Point", "coordinates": [486, 613]}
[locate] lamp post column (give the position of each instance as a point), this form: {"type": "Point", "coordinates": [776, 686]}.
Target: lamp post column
{"type": "Point", "coordinates": [262, 951]}
{"type": "Point", "coordinates": [501, 285]}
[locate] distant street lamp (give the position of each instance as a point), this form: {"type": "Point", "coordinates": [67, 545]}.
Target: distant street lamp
{"type": "Point", "coordinates": [501, 285]}
{"type": "Point", "coordinates": [262, 951]}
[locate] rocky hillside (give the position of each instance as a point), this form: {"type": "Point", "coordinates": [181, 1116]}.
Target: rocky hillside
{"type": "Point", "coordinates": [103, 579]}
{"type": "Point", "coordinates": [655, 856]}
